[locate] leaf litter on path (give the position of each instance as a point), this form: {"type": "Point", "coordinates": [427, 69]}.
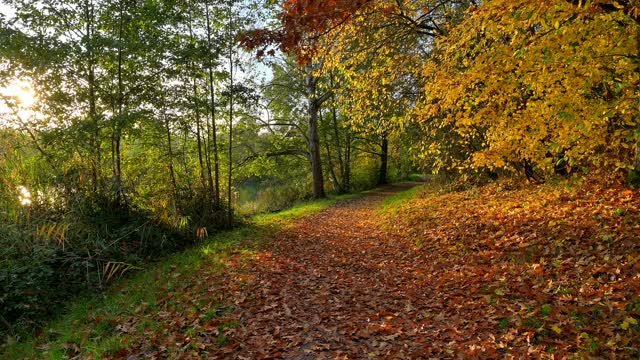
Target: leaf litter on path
{"type": "Point", "coordinates": [544, 271]}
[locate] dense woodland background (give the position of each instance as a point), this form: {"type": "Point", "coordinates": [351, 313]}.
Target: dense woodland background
{"type": "Point", "coordinates": [134, 128]}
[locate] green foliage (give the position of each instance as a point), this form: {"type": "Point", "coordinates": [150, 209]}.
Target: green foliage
{"type": "Point", "coordinates": [273, 198]}
{"type": "Point", "coordinates": [117, 151]}
{"type": "Point", "coordinates": [416, 177]}
{"type": "Point", "coordinates": [44, 265]}
{"type": "Point", "coordinates": [365, 173]}
{"type": "Point", "coordinates": [300, 210]}
{"type": "Point", "coordinates": [633, 178]}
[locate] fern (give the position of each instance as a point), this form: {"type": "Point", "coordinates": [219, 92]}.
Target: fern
{"type": "Point", "coordinates": [115, 269]}
{"type": "Point", "coordinates": [53, 232]}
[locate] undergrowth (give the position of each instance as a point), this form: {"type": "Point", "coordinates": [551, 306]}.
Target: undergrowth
{"type": "Point", "coordinates": [46, 259]}
{"type": "Point", "coordinates": [92, 325]}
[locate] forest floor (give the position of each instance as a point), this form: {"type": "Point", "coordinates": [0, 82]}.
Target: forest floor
{"type": "Point", "coordinates": [504, 270]}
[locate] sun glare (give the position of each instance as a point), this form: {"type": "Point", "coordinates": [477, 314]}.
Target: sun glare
{"type": "Point", "coordinates": [22, 92]}
{"type": "Point", "coordinates": [24, 196]}
{"type": "Point", "coordinates": [17, 99]}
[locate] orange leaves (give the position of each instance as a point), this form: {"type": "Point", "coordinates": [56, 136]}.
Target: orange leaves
{"type": "Point", "coordinates": [303, 21]}
{"type": "Point", "coordinates": [537, 270]}
{"type": "Point", "coordinates": [559, 254]}
{"type": "Point", "coordinates": [532, 271]}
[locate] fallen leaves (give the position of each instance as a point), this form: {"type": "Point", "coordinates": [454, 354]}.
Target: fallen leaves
{"type": "Point", "coordinates": [535, 271]}
{"type": "Point", "coordinates": [566, 253]}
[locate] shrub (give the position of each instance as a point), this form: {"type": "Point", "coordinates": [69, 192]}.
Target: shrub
{"type": "Point", "coordinates": [633, 178]}
{"type": "Point", "coordinates": [47, 257]}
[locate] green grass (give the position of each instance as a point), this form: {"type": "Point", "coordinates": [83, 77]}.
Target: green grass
{"type": "Point", "coordinates": [89, 323]}
{"type": "Point", "coordinates": [416, 177]}
{"type": "Point", "coordinates": [301, 210]}
{"type": "Point", "coordinates": [393, 203]}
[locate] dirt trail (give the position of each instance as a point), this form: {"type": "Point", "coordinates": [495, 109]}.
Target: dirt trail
{"type": "Point", "coordinates": [531, 272]}
{"type": "Point", "coordinates": [335, 285]}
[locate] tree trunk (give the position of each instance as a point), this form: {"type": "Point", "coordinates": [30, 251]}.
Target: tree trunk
{"type": "Point", "coordinates": [197, 110]}
{"type": "Point", "coordinates": [172, 173]}
{"type": "Point", "coordinates": [347, 161]}
{"type": "Point", "coordinates": [336, 182]}
{"type": "Point", "coordinates": [384, 160]}
{"type": "Point", "coordinates": [91, 80]}
{"type": "Point", "coordinates": [636, 160]}
{"type": "Point", "coordinates": [212, 105]}
{"type": "Point", "coordinates": [314, 151]}
{"type": "Point", "coordinates": [207, 159]}
{"type": "Point", "coordinates": [117, 135]}
{"type": "Point", "coordinates": [231, 99]}
{"type": "Point", "coordinates": [185, 163]}
{"type": "Point", "coordinates": [198, 131]}
{"type": "Point", "coordinates": [313, 108]}
{"type": "Point", "coordinates": [336, 132]}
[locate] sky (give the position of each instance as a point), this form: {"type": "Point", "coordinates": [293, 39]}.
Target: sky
{"type": "Point", "coordinates": [4, 9]}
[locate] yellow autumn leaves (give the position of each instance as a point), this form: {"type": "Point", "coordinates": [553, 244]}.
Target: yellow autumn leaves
{"type": "Point", "coordinates": [516, 81]}
{"type": "Point", "coordinates": [537, 82]}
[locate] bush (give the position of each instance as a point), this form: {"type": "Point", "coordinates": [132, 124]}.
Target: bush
{"type": "Point", "coordinates": [272, 198]}
{"type": "Point", "coordinates": [48, 258]}
{"type": "Point", "coordinates": [633, 178]}
{"type": "Point", "coordinates": [31, 287]}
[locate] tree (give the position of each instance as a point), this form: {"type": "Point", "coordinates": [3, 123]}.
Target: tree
{"type": "Point", "coordinates": [523, 85]}
{"type": "Point", "coordinates": [232, 30]}
{"type": "Point", "coordinates": [294, 83]}
{"type": "Point", "coordinates": [340, 134]}
{"type": "Point", "coordinates": [298, 37]}
{"type": "Point", "coordinates": [55, 44]}
{"type": "Point", "coordinates": [211, 52]}
{"type": "Point", "coordinates": [379, 54]}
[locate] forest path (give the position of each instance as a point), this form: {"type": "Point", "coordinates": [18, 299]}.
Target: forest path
{"type": "Point", "coordinates": [506, 270]}
{"type": "Point", "coordinates": [333, 285]}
